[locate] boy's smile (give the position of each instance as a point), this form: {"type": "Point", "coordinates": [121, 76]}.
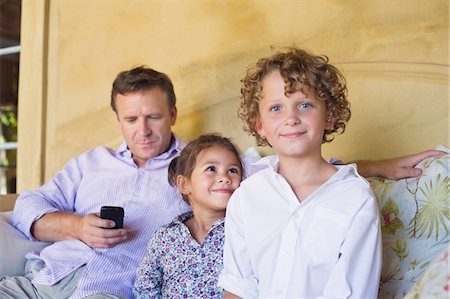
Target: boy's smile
{"type": "Point", "coordinates": [294, 124]}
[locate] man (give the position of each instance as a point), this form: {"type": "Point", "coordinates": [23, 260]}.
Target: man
{"type": "Point", "coordinates": [88, 259]}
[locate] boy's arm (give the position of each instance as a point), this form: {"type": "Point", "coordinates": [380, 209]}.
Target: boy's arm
{"type": "Point", "coordinates": [397, 168]}
{"type": "Point", "coordinates": [358, 269]}
{"type": "Point", "coordinates": [237, 277]}
{"type": "Point", "coordinates": [228, 295]}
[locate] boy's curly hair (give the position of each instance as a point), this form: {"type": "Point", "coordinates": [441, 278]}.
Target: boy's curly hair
{"type": "Point", "coordinates": [303, 72]}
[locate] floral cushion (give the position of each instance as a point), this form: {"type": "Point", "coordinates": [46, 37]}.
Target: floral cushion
{"type": "Point", "coordinates": [415, 224]}
{"type": "Point", "coordinates": [435, 282]}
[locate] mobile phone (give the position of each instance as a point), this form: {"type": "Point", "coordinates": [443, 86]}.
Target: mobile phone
{"type": "Point", "coordinates": [113, 213]}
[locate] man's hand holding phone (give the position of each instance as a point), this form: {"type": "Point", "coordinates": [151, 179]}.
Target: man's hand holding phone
{"type": "Point", "coordinates": [100, 232]}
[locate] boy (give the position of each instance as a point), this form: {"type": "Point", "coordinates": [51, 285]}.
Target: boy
{"type": "Point", "coordinates": [301, 228]}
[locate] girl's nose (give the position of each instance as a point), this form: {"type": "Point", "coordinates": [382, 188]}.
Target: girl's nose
{"type": "Point", "coordinates": [224, 179]}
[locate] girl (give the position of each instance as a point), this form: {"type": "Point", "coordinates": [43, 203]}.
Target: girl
{"type": "Point", "coordinates": [184, 258]}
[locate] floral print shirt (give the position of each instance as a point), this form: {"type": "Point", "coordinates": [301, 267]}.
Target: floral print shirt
{"type": "Point", "coordinates": [177, 266]}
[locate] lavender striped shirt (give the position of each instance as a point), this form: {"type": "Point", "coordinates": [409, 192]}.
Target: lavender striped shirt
{"type": "Point", "coordinates": [93, 179]}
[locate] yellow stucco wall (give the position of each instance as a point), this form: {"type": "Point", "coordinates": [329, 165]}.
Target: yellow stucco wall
{"type": "Point", "coordinates": [394, 55]}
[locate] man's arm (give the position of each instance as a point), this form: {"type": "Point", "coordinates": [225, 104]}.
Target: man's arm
{"type": "Point", "coordinates": [90, 229]}
{"type": "Point", "coordinates": [397, 168]}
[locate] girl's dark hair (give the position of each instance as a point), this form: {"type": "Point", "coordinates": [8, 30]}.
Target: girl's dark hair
{"type": "Point", "coordinates": [185, 163]}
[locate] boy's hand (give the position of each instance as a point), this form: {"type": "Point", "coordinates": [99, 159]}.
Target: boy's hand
{"type": "Point", "coordinates": [397, 168]}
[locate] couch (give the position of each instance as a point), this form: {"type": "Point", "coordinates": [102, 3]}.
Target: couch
{"type": "Point", "coordinates": [415, 224]}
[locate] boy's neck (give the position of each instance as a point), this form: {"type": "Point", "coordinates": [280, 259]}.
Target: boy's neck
{"type": "Point", "coordinates": [305, 175]}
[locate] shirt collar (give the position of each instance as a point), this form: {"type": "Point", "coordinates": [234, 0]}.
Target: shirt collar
{"type": "Point", "coordinates": [175, 148]}
{"type": "Point", "coordinates": [180, 219]}
{"type": "Point", "coordinates": [343, 171]}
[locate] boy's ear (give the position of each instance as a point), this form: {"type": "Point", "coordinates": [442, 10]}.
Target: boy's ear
{"type": "Point", "coordinates": [258, 127]}
{"type": "Point", "coordinates": [330, 121]}
{"type": "Point", "coordinates": [183, 185]}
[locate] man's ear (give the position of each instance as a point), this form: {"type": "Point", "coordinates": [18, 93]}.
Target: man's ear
{"type": "Point", "coordinates": [173, 115]}
{"type": "Point", "coordinates": [183, 184]}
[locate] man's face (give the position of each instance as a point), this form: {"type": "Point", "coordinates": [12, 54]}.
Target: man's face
{"type": "Point", "coordinates": [145, 120]}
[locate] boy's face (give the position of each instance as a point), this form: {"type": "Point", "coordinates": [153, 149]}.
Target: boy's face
{"type": "Point", "coordinates": [293, 125]}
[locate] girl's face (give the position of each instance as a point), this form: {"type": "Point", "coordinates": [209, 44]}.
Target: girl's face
{"type": "Point", "coordinates": [216, 175]}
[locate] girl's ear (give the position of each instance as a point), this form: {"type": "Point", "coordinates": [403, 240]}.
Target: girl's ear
{"type": "Point", "coordinates": [183, 184]}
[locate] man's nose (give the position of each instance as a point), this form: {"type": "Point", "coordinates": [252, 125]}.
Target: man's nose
{"type": "Point", "coordinates": [144, 127]}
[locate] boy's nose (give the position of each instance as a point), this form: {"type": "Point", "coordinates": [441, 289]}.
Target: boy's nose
{"type": "Point", "coordinates": [292, 119]}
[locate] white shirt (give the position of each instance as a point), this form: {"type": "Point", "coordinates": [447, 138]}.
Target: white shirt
{"type": "Point", "coordinates": [328, 246]}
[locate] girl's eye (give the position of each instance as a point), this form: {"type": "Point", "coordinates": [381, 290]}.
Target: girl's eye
{"type": "Point", "coordinates": [305, 105]}
{"type": "Point", "coordinates": [275, 108]}
{"type": "Point", "coordinates": [234, 170]}
{"type": "Point", "coordinates": [211, 168]}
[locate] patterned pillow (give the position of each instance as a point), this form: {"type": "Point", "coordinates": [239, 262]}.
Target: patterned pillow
{"type": "Point", "coordinates": [435, 282]}
{"type": "Point", "coordinates": [415, 224]}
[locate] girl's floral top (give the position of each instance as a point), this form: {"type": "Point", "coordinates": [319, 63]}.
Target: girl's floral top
{"type": "Point", "coordinates": [176, 266]}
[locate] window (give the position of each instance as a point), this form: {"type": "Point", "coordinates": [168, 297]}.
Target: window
{"type": "Point", "coordinates": [9, 77]}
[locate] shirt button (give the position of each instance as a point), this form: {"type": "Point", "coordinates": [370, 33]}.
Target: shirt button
{"type": "Point", "coordinates": [278, 292]}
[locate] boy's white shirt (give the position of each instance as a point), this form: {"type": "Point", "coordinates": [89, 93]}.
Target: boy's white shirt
{"type": "Point", "coordinates": [328, 246]}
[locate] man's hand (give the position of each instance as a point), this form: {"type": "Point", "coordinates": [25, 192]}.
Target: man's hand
{"type": "Point", "coordinates": [97, 232]}
{"type": "Point", "coordinates": [397, 168]}
{"type": "Point", "coordinates": [90, 229]}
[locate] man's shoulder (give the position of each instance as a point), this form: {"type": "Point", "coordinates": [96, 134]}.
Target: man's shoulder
{"type": "Point", "coordinates": [96, 152]}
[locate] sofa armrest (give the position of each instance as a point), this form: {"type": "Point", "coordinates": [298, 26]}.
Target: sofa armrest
{"type": "Point", "coordinates": [414, 223]}
{"type": "Point", "coordinates": [13, 247]}
{"type": "Point", "coordinates": [7, 202]}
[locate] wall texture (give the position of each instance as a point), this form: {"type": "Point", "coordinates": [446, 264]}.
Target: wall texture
{"type": "Point", "coordinates": [394, 55]}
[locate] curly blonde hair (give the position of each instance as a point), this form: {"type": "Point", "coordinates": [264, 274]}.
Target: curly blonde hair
{"type": "Point", "coordinates": [301, 71]}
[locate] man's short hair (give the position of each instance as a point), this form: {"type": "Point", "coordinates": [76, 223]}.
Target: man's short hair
{"type": "Point", "coordinates": [141, 78]}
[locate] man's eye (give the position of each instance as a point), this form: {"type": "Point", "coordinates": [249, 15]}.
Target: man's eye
{"type": "Point", "coordinates": [275, 108]}
{"type": "Point", "coordinates": [131, 120]}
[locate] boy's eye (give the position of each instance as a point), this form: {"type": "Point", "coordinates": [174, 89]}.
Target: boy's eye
{"type": "Point", "coordinates": [305, 105]}
{"type": "Point", "coordinates": [276, 108]}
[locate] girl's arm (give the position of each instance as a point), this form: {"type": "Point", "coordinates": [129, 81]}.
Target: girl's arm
{"type": "Point", "coordinates": [149, 275]}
